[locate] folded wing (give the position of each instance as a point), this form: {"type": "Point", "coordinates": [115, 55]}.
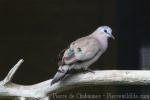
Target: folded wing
{"type": "Point", "coordinates": [81, 50]}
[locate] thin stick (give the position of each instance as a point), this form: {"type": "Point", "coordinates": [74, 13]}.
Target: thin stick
{"type": "Point", "coordinates": [11, 73]}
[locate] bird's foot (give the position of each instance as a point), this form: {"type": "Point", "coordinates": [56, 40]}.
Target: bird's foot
{"type": "Point", "coordinates": [73, 71]}
{"type": "Point", "coordinates": [88, 70]}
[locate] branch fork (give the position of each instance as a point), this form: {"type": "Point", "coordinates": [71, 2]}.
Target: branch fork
{"type": "Point", "coordinates": [43, 89]}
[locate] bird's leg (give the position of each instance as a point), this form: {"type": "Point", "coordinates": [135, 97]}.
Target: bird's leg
{"type": "Point", "coordinates": [90, 70]}
{"type": "Point", "coordinates": [73, 71]}
{"type": "Point", "coordinates": [86, 69]}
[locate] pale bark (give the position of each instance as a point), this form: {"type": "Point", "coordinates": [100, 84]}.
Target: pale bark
{"type": "Point", "coordinates": [43, 89]}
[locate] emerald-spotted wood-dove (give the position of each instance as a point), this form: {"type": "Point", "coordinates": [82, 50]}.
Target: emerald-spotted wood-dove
{"type": "Point", "coordinates": [83, 52]}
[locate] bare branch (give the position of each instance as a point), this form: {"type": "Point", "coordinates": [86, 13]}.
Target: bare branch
{"type": "Point", "coordinates": [20, 98]}
{"type": "Point", "coordinates": [43, 89]}
{"type": "Point", "coordinates": [105, 77]}
{"type": "Point", "coordinates": [12, 72]}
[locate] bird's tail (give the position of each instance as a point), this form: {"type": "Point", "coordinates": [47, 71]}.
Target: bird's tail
{"type": "Point", "coordinates": [61, 73]}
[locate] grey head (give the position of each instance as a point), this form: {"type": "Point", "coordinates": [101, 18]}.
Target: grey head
{"type": "Point", "coordinates": [106, 30]}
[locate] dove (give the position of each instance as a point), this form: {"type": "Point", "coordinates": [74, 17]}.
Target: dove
{"type": "Point", "coordinates": [83, 52]}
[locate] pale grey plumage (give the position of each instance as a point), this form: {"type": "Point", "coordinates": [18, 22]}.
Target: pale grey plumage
{"type": "Point", "coordinates": [84, 51]}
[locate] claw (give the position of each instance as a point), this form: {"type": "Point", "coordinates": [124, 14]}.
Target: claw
{"type": "Point", "coordinates": [88, 70]}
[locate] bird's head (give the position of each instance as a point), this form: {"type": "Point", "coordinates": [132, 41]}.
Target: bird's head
{"type": "Point", "coordinates": [106, 30]}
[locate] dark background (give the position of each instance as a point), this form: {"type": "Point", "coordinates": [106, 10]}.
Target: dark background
{"type": "Point", "coordinates": [37, 30]}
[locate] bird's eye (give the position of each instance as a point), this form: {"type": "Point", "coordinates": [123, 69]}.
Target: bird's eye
{"type": "Point", "coordinates": [105, 31]}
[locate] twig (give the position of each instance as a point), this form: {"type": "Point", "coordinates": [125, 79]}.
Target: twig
{"type": "Point", "coordinates": [11, 73]}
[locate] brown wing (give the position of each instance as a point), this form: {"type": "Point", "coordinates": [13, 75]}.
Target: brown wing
{"type": "Point", "coordinates": [80, 50]}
